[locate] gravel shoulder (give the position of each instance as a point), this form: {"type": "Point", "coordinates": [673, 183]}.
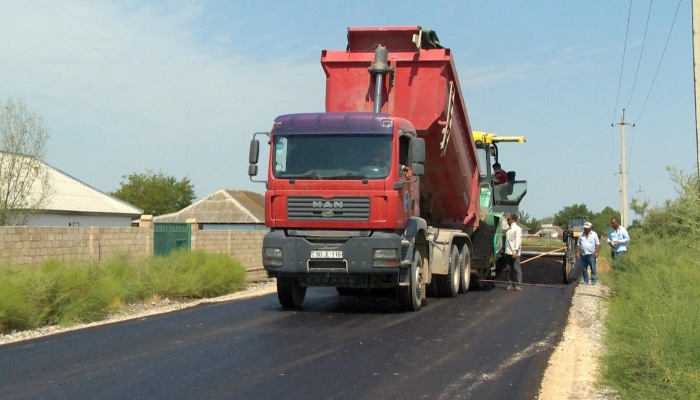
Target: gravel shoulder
{"type": "Point", "coordinates": [573, 367]}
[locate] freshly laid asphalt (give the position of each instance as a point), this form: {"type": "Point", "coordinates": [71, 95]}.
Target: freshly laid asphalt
{"type": "Point", "coordinates": [489, 344]}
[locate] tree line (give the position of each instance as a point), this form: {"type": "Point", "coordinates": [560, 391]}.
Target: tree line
{"type": "Point", "coordinates": [600, 220]}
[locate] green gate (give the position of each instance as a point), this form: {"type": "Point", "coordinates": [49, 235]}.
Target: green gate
{"type": "Point", "coordinates": [170, 236]}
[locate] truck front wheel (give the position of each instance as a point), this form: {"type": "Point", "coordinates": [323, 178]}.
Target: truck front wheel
{"type": "Point", "coordinates": [290, 292]}
{"type": "Point", "coordinates": [411, 296]}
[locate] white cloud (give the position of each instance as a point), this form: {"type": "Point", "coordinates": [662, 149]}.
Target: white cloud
{"type": "Point", "coordinates": [128, 88]}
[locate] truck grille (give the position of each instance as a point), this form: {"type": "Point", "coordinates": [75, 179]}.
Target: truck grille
{"type": "Point", "coordinates": [319, 209]}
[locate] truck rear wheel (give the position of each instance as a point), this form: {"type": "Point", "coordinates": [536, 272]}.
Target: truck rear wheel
{"type": "Point", "coordinates": [448, 285]}
{"type": "Point", "coordinates": [411, 296]}
{"type": "Point", "coordinates": [464, 269]}
{"type": "Point", "coordinates": [290, 292]}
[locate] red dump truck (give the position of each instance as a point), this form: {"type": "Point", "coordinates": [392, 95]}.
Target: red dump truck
{"type": "Point", "coordinates": [383, 189]}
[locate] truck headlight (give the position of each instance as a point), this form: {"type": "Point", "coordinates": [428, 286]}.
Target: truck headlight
{"type": "Point", "coordinates": [273, 256]}
{"type": "Point", "coordinates": [385, 258]}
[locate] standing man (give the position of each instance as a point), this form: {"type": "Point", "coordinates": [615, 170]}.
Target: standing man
{"type": "Point", "coordinates": [587, 249]}
{"type": "Point", "coordinates": [514, 240]}
{"type": "Point", "coordinates": [617, 239]}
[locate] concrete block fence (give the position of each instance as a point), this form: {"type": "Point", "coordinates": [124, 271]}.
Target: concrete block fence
{"type": "Point", "coordinates": [30, 245]}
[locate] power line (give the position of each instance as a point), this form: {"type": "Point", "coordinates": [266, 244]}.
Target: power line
{"type": "Point", "coordinates": [624, 50]}
{"type": "Point", "coordinates": [639, 62]}
{"type": "Point", "coordinates": [660, 60]}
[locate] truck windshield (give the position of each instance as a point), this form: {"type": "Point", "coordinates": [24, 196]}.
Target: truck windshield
{"type": "Point", "coordinates": [332, 157]}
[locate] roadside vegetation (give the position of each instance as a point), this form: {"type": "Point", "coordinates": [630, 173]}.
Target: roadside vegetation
{"type": "Point", "coordinates": [653, 321]}
{"type": "Point", "coordinates": [66, 293]}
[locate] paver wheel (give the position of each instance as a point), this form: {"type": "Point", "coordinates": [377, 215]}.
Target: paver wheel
{"type": "Point", "coordinates": [345, 291]}
{"type": "Point", "coordinates": [290, 292]}
{"type": "Point", "coordinates": [483, 242]}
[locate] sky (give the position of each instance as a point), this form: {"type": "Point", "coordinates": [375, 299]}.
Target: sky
{"type": "Point", "coordinates": [181, 86]}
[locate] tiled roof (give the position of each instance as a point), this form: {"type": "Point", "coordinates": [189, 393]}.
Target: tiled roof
{"type": "Point", "coordinates": [68, 194]}
{"type": "Point", "coordinates": [222, 207]}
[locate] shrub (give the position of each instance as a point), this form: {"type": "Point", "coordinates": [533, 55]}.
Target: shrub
{"type": "Point", "coordinates": [66, 293]}
{"type": "Point", "coordinates": [653, 320]}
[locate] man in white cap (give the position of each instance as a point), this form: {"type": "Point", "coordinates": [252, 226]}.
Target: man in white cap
{"type": "Point", "coordinates": [587, 249]}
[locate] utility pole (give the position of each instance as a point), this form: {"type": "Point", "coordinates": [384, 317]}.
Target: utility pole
{"type": "Point", "coordinates": [623, 174]}
{"type": "Point", "coordinates": [695, 4]}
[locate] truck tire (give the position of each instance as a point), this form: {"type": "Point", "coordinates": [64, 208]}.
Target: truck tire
{"type": "Point", "coordinates": [290, 292]}
{"type": "Point", "coordinates": [448, 285]}
{"type": "Point", "coordinates": [464, 269]}
{"type": "Point", "coordinates": [411, 296]}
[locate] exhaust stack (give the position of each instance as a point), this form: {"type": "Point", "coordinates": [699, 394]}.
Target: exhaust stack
{"type": "Point", "coordinates": [379, 69]}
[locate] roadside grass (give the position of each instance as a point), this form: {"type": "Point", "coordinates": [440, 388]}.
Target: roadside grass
{"type": "Point", "coordinates": [66, 293]}
{"type": "Point", "coordinates": [653, 321]}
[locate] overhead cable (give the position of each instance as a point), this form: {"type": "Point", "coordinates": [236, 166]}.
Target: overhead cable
{"type": "Point", "coordinates": [660, 60]}
{"type": "Point", "coordinates": [639, 62]}
{"type": "Point", "coordinates": [622, 66]}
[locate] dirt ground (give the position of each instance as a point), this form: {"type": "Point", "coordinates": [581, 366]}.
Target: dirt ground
{"type": "Point", "coordinates": [574, 365]}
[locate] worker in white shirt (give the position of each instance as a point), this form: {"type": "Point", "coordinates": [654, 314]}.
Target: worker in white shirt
{"type": "Point", "coordinates": [514, 241]}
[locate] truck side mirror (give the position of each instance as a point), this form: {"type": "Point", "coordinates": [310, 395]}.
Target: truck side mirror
{"type": "Point", "coordinates": [416, 151]}
{"type": "Point", "coordinates": [252, 170]}
{"type": "Point", "coordinates": [254, 152]}
{"type": "Point", "coordinates": [253, 155]}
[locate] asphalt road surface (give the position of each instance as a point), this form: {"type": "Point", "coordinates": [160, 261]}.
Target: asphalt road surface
{"type": "Point", "coordinates": [491, 344]}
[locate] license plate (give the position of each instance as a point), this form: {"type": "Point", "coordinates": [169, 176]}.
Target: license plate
{"type": "Point", "coordinates": [326, 254]}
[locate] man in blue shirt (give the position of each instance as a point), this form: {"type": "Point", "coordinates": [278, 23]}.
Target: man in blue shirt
{"type": "Point", "coordinates": [587, 249]}
{"type": "Point", "coordinates": [617, 239]}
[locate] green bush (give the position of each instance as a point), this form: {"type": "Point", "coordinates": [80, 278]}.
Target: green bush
{"type": "Point", "coordinates": [65, 293]}
{"type": "Point", "coordinates": [653, 321]}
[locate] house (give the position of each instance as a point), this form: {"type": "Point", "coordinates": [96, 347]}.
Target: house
{"type": "Point", "coordinates": [550, 231]}
{"type": "Point", "coordinates": [71, 202]}
{"type": "Point", "coordinates": [525, 229]}
{"type": "Point", "coordinates": [224, 209]}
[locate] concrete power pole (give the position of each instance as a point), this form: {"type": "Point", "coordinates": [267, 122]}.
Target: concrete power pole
{"type": "Point", "coordinates": [623, 173]}
{"type": "Point", "coordinates": [696, 65]}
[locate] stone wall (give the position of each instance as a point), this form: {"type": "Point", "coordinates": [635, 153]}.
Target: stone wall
{"type": "Point", "coordinates": [30, 245]}
{"type": "Point", "coordinates": [245, 246]}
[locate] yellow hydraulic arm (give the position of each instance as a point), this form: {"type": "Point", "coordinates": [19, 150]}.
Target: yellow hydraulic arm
{"type": "Point", "coordinates": [488, 138]}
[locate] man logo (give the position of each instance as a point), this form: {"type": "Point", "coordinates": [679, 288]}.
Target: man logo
{"type": "Point", "coordinates": [327, 213]}
{"type": "Point", "coordinates": [327, 204]}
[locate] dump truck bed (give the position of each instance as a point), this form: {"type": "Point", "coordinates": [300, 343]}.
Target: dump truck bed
{"type": "Point", "coordinates": [423, 89]}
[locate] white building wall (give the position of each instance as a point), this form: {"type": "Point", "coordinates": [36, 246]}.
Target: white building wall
{"type": "Point", "coordinates": [79, 220]}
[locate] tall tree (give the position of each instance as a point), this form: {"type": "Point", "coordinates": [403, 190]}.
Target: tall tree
{"type": "Point", "coordinates": [601, 221]}
{"type": "Point", "coordinates": [24, 178]}
{"type": "Point", "coordinates": [640, 208]}
{"type": "Point", "coordinates": [576, 210]}
{"type": "Point", "coordinates": [156, 193]}
{"type": "Point", "coordinates": [531, 222]}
